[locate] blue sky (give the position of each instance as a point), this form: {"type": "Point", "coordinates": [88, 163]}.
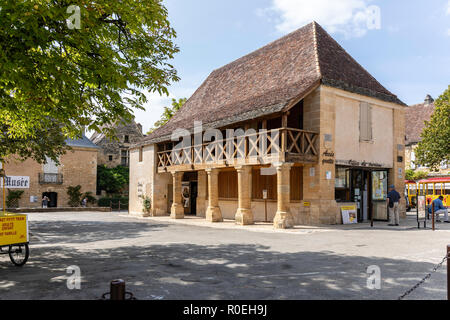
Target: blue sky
{"type": "Point", "coordinates": [407, 50]}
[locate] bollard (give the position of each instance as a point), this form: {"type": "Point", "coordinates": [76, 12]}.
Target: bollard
{"type": "Point", "coordinates": [432, 216]}
{"type": "Point", "coordinates": [110, 205]}
{"type": "Point", "coordinates": [448, 272]}
{"type": "Point", "coordinates": [117, 289]}
{"type": "Point", "coordinates": [119, 205]}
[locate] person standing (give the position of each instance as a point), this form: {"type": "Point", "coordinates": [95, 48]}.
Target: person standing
{"type": "Point", "coordinates": [45, 202]}
{"type": "Point", "coordinates": [84, 202]}
{"type": "Point", "coordinates": [439, 208]}
{"type": "Point", "coordinates": [393, 201]}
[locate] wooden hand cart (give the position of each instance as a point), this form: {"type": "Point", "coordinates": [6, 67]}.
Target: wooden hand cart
{"type": "Point", "coordinates": [14, 237]}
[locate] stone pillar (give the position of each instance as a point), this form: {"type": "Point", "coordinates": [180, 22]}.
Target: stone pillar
{"type": "Point", "coordinates": [213, 213]}
{"type": "Point", "coordinates": [244, 215]}
{"type": "Point", "coordinates": [283, 218]}
{"type": "Point", "coordinates": [177, 210]}
{"type": "Point", "coordinates": [201, 195]}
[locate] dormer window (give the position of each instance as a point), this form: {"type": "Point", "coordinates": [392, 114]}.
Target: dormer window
{"type": "Point", "coordinates": [126, 139]}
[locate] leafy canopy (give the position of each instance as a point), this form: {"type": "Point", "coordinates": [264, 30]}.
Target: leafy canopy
{"type": "Point", "coordinates": [112, 180]}
{"type": "Point", "coordinates": [168, 113]}
{"type": "Point", "coordinates": [415, 175]}
{"type": "Point", "coordinates": [57, 77]}
{"type": "Point", "coordinates": [434, 148]}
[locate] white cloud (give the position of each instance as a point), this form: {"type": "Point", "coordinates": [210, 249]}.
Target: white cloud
{"type": "Point", "coordinates": [448, 8]}
{"type": "Point", "coordinates": [350, 17]}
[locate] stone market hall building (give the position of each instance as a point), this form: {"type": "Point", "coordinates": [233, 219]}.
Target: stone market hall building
{"type": "Point", "coordinates": [320, 133]}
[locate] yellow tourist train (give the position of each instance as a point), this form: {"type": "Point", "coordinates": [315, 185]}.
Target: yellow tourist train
{"type": "Point", "coordinates": [431, 188]}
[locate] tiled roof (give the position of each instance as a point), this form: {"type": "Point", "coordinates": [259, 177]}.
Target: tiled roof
{"type": "Point", "coordinates": [268, 79]}
{"type": "Point", "coordinates": [416, 115]}
{"type": "Point", "coordinates": [84, 142]}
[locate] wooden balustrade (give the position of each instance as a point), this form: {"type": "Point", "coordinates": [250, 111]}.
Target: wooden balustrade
{"type": "Point", "coordinates": [284, 144]}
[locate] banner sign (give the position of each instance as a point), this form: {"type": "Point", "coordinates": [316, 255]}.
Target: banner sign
{"type": "Point", "coordinates": [13, 229]}
{"type": "Point", "coordinates": [16, 182]}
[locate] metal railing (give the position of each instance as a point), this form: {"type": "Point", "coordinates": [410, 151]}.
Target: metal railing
{"type": "Point", "coordinates": [260, 147]}
{"type": "Point", "coordinates": [50, 178]}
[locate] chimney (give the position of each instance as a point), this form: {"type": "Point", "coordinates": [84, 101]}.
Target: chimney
{"type": "Point", "coordinates": [428, 100]}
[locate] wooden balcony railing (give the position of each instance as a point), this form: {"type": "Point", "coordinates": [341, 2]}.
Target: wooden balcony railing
{"type": "Point", "coordinates": [264, 147]}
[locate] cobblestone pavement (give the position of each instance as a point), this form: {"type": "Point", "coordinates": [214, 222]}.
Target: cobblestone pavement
{"type": "Point", "coordinates": [163, 259]}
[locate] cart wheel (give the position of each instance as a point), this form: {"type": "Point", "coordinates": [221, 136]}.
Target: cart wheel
{"type": "Point", "coordinates": [19, 254]}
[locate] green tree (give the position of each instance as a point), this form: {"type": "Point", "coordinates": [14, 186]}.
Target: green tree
{"type": "Point", "coordinates": [168, 113]}
{"type": "Point", "coordinates": [112, 180]}
{"type": "Point", "coordinates": [434, 148]}
{"type": "Point", "coordinates": [75, 195]}
{"type": "Point", "coordinates": [416, 175]}
{"type": "Point", "coordinates": [65, 65]}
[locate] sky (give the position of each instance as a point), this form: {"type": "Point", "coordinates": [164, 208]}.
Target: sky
{"type": "Point", "coordinates": [404, 44]}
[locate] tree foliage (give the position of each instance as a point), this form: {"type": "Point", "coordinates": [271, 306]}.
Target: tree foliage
{"type": "Point", "coordinates": [434, 148]}
{"type": "Point", "coordinates": [168, 113]}
{"type": "Point", "coordinates": [112, 180]}
{"type": "Point", "coordinates": [58, 76]}
{"type": "Point", "coordinates": [415, 175]}
{"type": "Point", "coordinates": [75, 195]}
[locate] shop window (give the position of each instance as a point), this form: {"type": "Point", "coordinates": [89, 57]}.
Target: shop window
{"type": "Point", "coordinates": [342, 184]}
{"type": "Point", "coordinates": [365, 122]}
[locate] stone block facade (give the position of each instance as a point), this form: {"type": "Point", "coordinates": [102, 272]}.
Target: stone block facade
{"type": "Point", "coordinates": [77, 167]}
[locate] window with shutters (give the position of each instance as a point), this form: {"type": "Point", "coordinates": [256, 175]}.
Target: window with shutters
{"type": "Point", "coordinates": [365, 122]}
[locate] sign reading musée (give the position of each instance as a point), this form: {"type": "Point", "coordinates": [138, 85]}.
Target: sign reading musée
{"type": "Point", "coordinates": [16, 182]}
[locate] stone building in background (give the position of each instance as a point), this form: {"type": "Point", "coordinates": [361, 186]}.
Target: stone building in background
{"type": "Point", "coordinates": [416, 115]}
{"type": "Point", "coordinates": [322, 134]}
{"type": "Point", "coordinates": [78, 166]}
{"type": "Point", "coordinates": [116, 152]}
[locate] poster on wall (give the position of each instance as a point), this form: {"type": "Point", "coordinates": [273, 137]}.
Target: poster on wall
{"type": "Point", "coordinates": [379, 185]}
{"type": "Point", "coordinates": [186, 194]}
{"type": "Point", "coordinates": [349, 215]}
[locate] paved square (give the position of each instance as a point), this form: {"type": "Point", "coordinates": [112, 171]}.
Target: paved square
{"type": "Point", "coordinates": [162, 259]}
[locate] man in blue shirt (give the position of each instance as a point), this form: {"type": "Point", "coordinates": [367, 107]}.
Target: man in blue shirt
{"type": "Point", "coordinates": [393, 199]}
{"type": "Point", "coordinates": [439, 208]}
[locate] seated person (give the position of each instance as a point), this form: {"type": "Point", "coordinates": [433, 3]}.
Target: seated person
{"type": "Point", "coordinates": [439, 208]}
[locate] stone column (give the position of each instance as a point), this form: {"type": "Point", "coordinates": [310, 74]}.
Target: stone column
{"type": "Point", "coordinates": [283, 218]}
{"type": "Point", "coordinates": [201, 195]}
{"type": "Point", "coordinates": [177, 210]}
{"type": "Point", "coordinates": [244, 215]}
{"type": "Point", "coordinates": [213, 213]}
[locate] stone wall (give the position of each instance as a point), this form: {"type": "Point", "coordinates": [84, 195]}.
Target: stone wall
{"type": "Point", "coordinates": [78, 167]}
{"type": "Point", "coordinates": [113, 148]}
